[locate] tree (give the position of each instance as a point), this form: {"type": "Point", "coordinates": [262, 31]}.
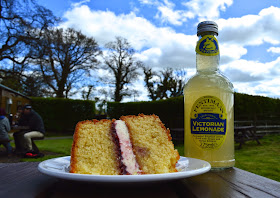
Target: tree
{"type": "Point", "coordinates": [87, 94]}
{"type": "Point", "coordinates": [18, 20]}
{"type": "Point", "coordinates": [120, 61]}
{"type": "Point", "coordinates": [12, 77]}
{"type": "Point", "coordinates": [64, 57]}
{"type": "Point", "coordinates": [164, 84]}
{"type": "Point", "coordinates": [177, 83]}
{"type": "Point", "coordinates": [33, 85]}
{"type": "Point", "coordinates": [150, 83]}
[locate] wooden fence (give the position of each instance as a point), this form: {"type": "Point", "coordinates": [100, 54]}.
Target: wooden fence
{"type": "Point", "coordinates": [263, 127]}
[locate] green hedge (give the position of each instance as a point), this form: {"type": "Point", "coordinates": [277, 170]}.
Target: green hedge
{"type": "Point", "coordinates": [167, 110]}
{"type": "Point", "coordinates": [248, 107]}
{"type": "Point", "coordinates": [62, 115]}
{"type": "Point", "coordinates": [171, 111]}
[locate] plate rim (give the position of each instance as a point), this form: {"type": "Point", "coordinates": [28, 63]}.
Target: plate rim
{"type": "Point", "coordinates": [124, 178]}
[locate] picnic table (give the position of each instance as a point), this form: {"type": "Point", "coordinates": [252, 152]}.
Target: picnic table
{"type": "Point", "coordinates": [20, 130]}
{"type": "Point", "coordinates": [17, 127]}
{"type": "Point", "coordinates": [24, 180]}
{"type": "Point", "coordinates": [243, 134]}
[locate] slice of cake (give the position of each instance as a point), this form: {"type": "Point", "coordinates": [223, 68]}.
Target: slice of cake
{"type": "Point", "coordinates": [93, 149]}
{"type": "Point", "coordinates": [132, 145]}
{"type": "Point", "coordinates": [152, 144]}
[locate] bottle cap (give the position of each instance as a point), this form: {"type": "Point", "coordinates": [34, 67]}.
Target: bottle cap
{"type": "Point", "coordinates": [207, 26]}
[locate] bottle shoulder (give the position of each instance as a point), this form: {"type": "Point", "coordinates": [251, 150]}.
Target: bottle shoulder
{"type": "Point", "coordinates": [209, 80]}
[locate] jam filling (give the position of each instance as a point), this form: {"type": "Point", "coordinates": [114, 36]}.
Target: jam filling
{"type": "Point", "coordinates": [118, 152]}
{"type": "Point", "coordinates": [127, 160]}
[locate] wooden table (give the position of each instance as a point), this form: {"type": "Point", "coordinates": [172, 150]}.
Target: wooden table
{"type": "Point", "coordinates": [243, 134]}
{"type": "Point", "coordinates": [24, 180]}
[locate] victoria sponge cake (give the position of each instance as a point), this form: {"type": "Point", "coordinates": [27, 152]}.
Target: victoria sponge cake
{"type": "Point", "coordinates": [129, 146]}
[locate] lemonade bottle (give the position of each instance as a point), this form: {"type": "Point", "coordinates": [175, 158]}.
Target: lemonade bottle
{"type": "Point", "coordinates": [208, 105]}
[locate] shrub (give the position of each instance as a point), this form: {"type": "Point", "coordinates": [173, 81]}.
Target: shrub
{"type": "Point", "coordinates": [61, 114]}
{"type": "Point", "coordinates": [170, 111]}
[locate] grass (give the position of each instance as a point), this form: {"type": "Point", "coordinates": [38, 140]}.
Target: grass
{"type": "Point", "coordinates": [261, 159]}
{"type": "Point", "coordinates": [61, 146]}
{"type": "Point", "coordinates": [51, 148]}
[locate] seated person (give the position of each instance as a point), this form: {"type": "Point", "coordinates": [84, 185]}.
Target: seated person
{"type": "Point", "coordinates": [21, 126]}
{"type": "Point", "coordinates": [33, 121]}
{"type": "Point", "coordinates": [18, 114]}
{"type": "Point", "coordinates": [4, 129]}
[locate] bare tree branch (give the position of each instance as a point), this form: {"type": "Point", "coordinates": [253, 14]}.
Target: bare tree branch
{"type": "Point", "coordinates": [169, 83]}
{"type": "Point", "coordinates": [63, 55]}
{"type": "Point", "coordinates": [120, 61]}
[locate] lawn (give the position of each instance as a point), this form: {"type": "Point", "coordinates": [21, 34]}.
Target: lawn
{"type": "Point", "coordinates": [261, 159]}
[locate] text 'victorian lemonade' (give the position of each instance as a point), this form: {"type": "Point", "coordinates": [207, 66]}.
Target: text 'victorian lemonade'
{"type": "Point", "coordinates": [208, 103]}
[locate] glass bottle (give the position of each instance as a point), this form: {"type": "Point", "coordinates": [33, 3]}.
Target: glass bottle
{"type": "Point", "coordinates": [208, 105]}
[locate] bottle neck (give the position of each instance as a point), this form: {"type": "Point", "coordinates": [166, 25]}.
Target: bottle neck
{"type": "Point", "coordinates": [206, 63]}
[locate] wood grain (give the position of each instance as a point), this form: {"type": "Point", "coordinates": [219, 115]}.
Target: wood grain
{"type": "Point", "coordinates": [24, 180]}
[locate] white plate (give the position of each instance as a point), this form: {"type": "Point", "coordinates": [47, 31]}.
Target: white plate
{"type": "Point", "coordinates": [187, 167]}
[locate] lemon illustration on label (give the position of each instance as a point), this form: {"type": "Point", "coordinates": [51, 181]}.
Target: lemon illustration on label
{"type": "Point", "coordinates": [207, 45]}
{"type": "Point", "coordinates": [208, 122]}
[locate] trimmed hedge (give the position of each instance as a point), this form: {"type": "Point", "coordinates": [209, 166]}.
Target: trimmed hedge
{"type": "Point", "coordinates": [62, 115]}
{"type": "Point", "coordinates": [171, 111]}
{"type": "Point", "coordinates": [248, 107]}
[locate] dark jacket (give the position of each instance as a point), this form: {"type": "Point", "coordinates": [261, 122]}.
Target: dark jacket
{"type": "Point", "coordinates": [33, 120]}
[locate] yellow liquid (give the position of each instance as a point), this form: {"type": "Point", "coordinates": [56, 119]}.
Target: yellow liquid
{"type": "Point", "coordinates": [210, 83]}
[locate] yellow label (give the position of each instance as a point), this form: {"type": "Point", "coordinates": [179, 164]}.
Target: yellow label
{"type": "Point", "coordinates": [208, 46]}
{"type": "Point", "coordinates": [208, 122]}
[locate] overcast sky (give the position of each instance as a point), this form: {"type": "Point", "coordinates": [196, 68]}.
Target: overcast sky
{"type": "Point", "coordinates": [164, 34]}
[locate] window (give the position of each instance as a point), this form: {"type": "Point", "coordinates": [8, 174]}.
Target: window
{"type": "Point", "coordinates": [9, 103]}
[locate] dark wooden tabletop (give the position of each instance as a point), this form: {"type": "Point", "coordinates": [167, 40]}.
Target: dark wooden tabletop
{"type": "Point", "coordinates": [24, 180]}
{"type": "Point", "coordinates": [17, 127]}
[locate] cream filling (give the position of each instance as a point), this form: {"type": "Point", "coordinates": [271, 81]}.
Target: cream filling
{"type": "Point", "coordinates": [128, 157]}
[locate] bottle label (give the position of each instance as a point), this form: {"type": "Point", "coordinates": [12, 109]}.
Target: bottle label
{"type": "Point", "coordinates": [208, 46]}
{"type": "Point", "coordinates": [208, 122]}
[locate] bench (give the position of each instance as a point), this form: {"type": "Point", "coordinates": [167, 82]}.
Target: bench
{"type": "Point", "coordinates": [243, 134]}
{"type": "Point", "coordinates": [34, 147]}
{"type": "Point", "coordinates": [4, 141]}
{"type": "Point", "coordinates": [177, 135]}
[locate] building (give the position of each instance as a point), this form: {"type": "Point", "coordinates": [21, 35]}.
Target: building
{"type": "Point", "coordinates": [11, 99]}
